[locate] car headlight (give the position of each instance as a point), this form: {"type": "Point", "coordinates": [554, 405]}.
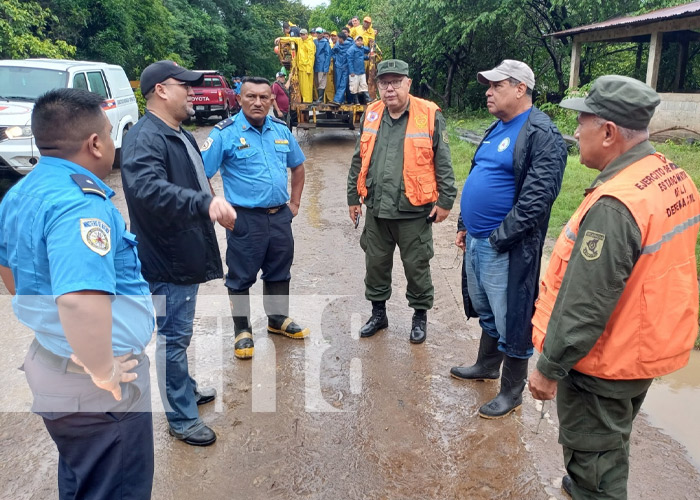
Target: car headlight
{"type": "Point", "coordinates": [18, 132]}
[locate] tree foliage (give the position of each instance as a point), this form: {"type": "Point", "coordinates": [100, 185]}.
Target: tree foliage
{"type": "Point", "coordinates": [23, 27]}
{"type": "Point", "coordinates": [446, 42]}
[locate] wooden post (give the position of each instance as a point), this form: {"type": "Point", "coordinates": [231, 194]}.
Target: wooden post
{"type": "Point", "coordinates": [655, 45]}
{"type": "Point", "coordinates": [575, 63]}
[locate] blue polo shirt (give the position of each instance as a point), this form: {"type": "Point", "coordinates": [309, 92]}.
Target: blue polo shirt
{"type": "Point", "coordinates": [489, 191]}
{"type": "Point", "coordinates": [253, 163]}
{"type": "Point", "coordinates": [59, 235]}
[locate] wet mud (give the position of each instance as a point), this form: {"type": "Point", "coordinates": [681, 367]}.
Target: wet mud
{"type": "Point", "coordinates": [335, 416]}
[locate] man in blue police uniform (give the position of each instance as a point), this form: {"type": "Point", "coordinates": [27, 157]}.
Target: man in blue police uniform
{"type": "Point", "coordinates": [80, 290]}
{"type": "Point", "coordinates": [172, 212]}
{"type": "Point", "coordinates": [254, 151]}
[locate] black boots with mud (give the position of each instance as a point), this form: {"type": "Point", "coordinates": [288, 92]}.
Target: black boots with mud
{"type": "Point", "coordinates": [377, 321]}
{"type": "Point", "coordinates": [419, 326]}
{"type": "Point", "coordinates": [510, 396]}
{"type": "Point", "coordinates": [488, 362]}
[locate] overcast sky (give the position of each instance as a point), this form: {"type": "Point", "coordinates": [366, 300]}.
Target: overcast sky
{"type": "Point", "coordinates": [314, 3]}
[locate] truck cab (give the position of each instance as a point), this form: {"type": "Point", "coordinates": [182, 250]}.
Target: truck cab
{"type": "Point", "coordinates": [214, 97]}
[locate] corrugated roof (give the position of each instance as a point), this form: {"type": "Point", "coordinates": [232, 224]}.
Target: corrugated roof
{"type": "Point", "coordinates": [686, 10]}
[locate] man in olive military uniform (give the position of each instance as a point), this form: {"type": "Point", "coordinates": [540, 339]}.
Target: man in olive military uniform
{"type": "Point", "coordinates": [618, 304]}
{"type": "Point", "coordinates": [402, 171]}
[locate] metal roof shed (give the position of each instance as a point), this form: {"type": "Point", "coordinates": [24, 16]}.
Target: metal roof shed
{"type": "Point", "coordinates": [674, 24]}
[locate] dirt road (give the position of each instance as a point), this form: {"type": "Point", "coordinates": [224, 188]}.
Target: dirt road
{"type": "Point", "coordinates": [335, 416]}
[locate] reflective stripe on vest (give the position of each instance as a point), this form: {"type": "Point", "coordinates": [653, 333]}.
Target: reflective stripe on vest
{"type": "Point", "coordinates": [654, 325]}
{"type": "Point", "coordinates": [418, 157]}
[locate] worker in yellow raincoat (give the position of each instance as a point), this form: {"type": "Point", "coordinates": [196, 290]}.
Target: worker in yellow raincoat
{"type": "Point", "coordinates": [330, 85]}
{"type": "Point", "coordinates": [305, 65]}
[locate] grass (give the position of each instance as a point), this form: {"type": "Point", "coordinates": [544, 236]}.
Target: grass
{"type": "Point", "coordinates": [576, 176]}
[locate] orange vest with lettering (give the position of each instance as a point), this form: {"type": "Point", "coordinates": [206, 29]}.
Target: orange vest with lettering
{"type": "Point", "coordinates": [655, 323]}
{"type": "Point", "coordinates": [418, 167]}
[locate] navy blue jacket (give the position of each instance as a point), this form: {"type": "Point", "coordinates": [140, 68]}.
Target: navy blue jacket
{"type": "Point", "coordinates": [539, 159]}
{"type": "Point", "coordinates": [323, 56]}
{"type": "Point", "coordinates": [340, 56]}
{"type": "Point", "coordinates": [168, 212]}
{"type": "Point", "coordinates": [356, 59]}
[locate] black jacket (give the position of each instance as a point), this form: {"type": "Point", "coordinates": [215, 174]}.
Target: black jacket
{"type": "Point", "coordinates": [539, 159]}
{"type": "Point", "coordinates": [168, 211]}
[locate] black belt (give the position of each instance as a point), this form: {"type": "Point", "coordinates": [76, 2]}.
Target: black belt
{"type": "Point", "coordinates": [65, 364]}
{"type": "Point", "coordinates": [269, 211]}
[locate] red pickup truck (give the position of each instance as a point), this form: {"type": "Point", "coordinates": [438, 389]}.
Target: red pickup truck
{"type": "Point", "coordinates": [214, 97]}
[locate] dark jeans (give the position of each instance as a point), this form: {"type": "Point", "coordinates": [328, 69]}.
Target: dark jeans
{"type": "Point", "coordinates": [175, 326]}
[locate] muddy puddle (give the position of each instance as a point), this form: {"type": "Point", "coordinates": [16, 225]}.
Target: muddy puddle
{"type": "Point", "coordinates": [673, 405]}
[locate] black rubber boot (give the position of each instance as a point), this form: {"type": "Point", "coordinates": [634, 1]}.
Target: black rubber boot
{"type": "Point", "coordinates": [419, 326]}
{"type": "Point", "coordinates": [377, 321]}
{"type": "Point", "coordinates": [243, 345]}
{"type": "Point", "coordinates": [566, 484]}
{"type": "Point", "coordinates": [276, 303]}
{"type": "Point", "coordinates": [488, 362]}
{"type": "Point", "coordinates": [355, 99]}
{"type": "Point", "coordinates": [511, 395]}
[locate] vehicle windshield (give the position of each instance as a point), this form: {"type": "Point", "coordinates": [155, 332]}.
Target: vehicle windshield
{"type": "Point", "coordinates": [28, 84]}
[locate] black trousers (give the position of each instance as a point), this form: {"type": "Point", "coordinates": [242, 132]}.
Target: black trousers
{"type": "Point", "coordinates": [105, 446]}
{"type": "Point", "coordinates": [258, 241]}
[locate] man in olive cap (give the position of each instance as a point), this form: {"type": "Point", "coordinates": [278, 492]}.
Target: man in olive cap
{"type": "Point", "coordinates": [515, 177]}
{"type": "Point", "coordinates": [618, 304]}
{"type": "Point", "coordinates": [402, 171]}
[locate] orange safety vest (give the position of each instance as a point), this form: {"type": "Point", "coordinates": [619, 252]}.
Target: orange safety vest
{"type": "Point", "coordinates": [655, 323]}
{"type": "Point", "coordinates": [418, 167]}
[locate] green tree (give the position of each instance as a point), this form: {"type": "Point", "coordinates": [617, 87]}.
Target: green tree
{"type": "Point", "coordinates": [130, 33]}
{"type": "Point", "coordinates": [23, 32]}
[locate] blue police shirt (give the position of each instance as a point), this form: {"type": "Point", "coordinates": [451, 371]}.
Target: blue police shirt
{"type": "Point", "coordinates": [253, 164]}
{"type": "Point", "coordinates": [59, 237]}
{"type": "Point", "coordinates": [489, 191]}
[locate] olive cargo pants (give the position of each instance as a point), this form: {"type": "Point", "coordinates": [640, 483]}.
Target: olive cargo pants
{"type": "Point", "coordinates": [414, 238]}
{"type": "Point", "coordinates": [595, 433]}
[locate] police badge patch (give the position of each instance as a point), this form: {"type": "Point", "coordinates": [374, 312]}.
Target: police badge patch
{"type": "Point", "coordinates": [592, 245]}
{"type": "Point", "coordinates": [96, 235]}
{"type": "Point", "coordinates": [207, 144]}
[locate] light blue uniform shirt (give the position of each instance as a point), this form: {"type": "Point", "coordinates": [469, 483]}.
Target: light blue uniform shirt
{"type": "Point", "coordinates": [59, 237]}
{"type": "Point", "coordinates": [253, 164]}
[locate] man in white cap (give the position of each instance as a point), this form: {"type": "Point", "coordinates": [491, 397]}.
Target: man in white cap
{"type": "Point", "coordinates": [515, 177]}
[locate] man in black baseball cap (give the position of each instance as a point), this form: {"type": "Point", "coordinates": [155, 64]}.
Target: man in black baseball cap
{"type": "Point", "coordinates": [172, 211]}
{"type": "Point", "coordinates": [161, 71]}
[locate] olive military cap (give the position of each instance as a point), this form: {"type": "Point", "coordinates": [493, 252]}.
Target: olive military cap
{"type": "Point", "coordinates": [622, 100]}
{"type": "Point", "coordinates": [392, 67]}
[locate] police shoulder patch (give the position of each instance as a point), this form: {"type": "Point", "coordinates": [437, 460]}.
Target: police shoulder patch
{"type": "Point", "coordinates": [275, 119]}
{"type": "Point", "coordinates": [87, 185]}
{"type": "Point", "coordinates": [207, 144]}
{"type": "Point", "coordinates": [95, 233]}
{"type": "Point", "coordinates": [445, 137]}
{"type": "Point", "coordinates": [224, 123]}
{"type": "Point", "coordinates": [592, 245]}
